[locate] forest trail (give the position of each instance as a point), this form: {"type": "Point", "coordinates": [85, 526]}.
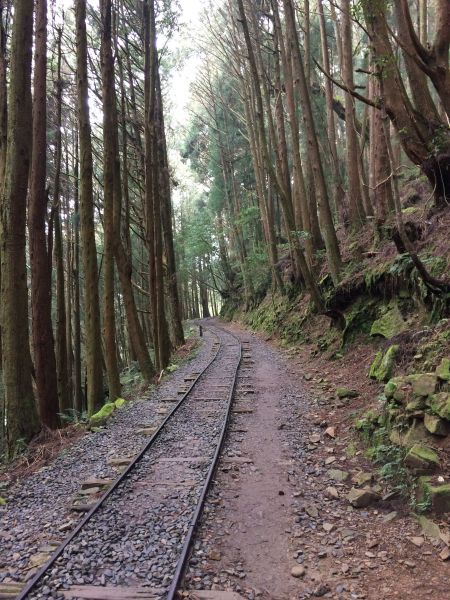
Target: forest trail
{"type": "Point", "coordinates": [287, 510]}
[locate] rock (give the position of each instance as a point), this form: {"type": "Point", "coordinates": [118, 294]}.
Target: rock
{"type": "Point", "coordinates": [422, 460]}
{"type": "Point", "coordinates": [383, 365]}
{"type": "Point", "coordinates": [315, 438]}
{"type": "Point", "coordinates": [101, 417]}
{"type": "Point", "coordinates": [429, 528]}
{"type": "Point", "coordinates": [312, 511]}
{"type": "Point", "coordinates": [338, 475]}
{"type": "Point", "coordinates": [298, 571]}
{"type": "Point", "coordinates": [389, 324]}
{"type": "Point", "coordinates": [445, 554]}
{"type": "Point", "coordinates": [417, 541]}
{"type": "Point", "coordinates": [214, 555]}
{"type": "Point", "coordinates": [328, 527]}
{"type": "Point", "coordinates": [435, 425]}
{"type": "Point", "coordinates": [361, 498]}
{"type": "Point", "coordinates": [439, 496]}
{"type": "Point", "coordinates": [423, 384]}
{"type": "Point", "coordinates": [443, 370]}
{"type": "Point", "coordinates": [416, 405]}
{"type": "Point", "coordinates": [330, 432]}
{"type": "Point", "coordinates": [120, 402]}
{"type": "Point", "coordinates": [361, 478]}
{"type": "Point", "coordinates": [332, 492]}
{"type": "Point", "coordinates": [440, 404]}
{"type": "Point", "coordinates": [343, 392]}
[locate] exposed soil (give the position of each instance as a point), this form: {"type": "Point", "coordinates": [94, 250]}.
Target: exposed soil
{"type": "Point", "coordinates": [283, 509]}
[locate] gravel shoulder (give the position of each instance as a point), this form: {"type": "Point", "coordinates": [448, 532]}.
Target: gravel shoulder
{"type": "Point", "coordinates": [38, 516]}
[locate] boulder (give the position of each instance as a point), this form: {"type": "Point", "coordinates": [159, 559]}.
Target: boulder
{"type": "Point", "coordinates": [423, 384]}
{"type": "Point", "coordinates": [361, 498]}
{"type": "Point", "coordinates": [382, 366]}
{"type": "Point", "coordinates": [443, 370]}
{"type": "Point", "coordinates": [120, 402]}
{"type": "Point", "coordinates": [398, 388]}
{"type": "Point", "coordinates": [422, 460]}
{"type": "Point", "coordinates": [101, 417]}
{"type": "Point", "coordinates": [439, 496]}
{"type": "Point", "coordinates": [343, 392]}
{"type": "Point", "coordinates": [391, 323]}
{"type": "Point", "coordinates": [435, 425]}
{"type": "Point", "coordinates": [440, 404]}
{"type": "Point", "coordinates": [416, 404]}
{"type": "Point", "coordinates": [338, 475]}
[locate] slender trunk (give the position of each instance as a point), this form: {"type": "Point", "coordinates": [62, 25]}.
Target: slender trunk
{"type": "Point", "coordinates": [61, 324]}
{"type": "Point", "coordinates": [93, 348]}
{"type": "Point", "coordinates": [109, 172]}
{"type": "Point", "coordinates": [326, 220]}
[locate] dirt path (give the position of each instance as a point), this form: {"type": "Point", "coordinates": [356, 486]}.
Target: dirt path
{"type": "Point", "coordinates": [277, 505]}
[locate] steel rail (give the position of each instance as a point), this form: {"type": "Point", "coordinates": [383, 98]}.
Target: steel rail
{"type": "Point", "coordinates": [59, 551]}
{"type": "Point", "coordinates": [185, 551]}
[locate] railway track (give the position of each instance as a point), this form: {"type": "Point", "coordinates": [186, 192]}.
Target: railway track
{"type": "Point", "coordinates": [135, 541]}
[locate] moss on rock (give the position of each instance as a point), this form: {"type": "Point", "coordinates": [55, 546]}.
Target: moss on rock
{"type": "Point", "coordinates": [423, 384]}
{"type": "Point", "coordinates": [391, 323]}
{"type": "Point", "coordinates": [120, 402]}
{"type": "Point", "coordinates": [100, 418]}
{"type": "Point", "coordinates": [443, 370]}
{"type": "Point", "coordinates": [422, 460]}
{"type": "Point", "coordinates": [440, 404]}
{"type": "Point", "coordinates": [343, 392]}
{"type": "Point", "coordinates": [383, 365]}
{"type": "Point", "coordinates": [435, 425]}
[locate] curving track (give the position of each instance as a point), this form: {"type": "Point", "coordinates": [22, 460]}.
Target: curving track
{"type": "Point", "coordinates": [134, 543]}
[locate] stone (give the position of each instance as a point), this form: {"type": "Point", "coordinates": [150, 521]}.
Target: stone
{"type": "Point", "coordinates": [298, 571]}
{"type": "Point", "coordinates": [330, 432]}
{"type": "Point", "coordinates": [445, 554]}
{"type": "Point", "coordinates": [439, 496]}
{"type": "Point", "coordinates": [102, 416]}
{"type": "Point", "coordinates": [361, 478]}
{"type": "Point", "coordinates": [328, 527]}
{"type": "Point", "coordinates": [435, 425]}
{"type": "Point", "coordinates": [338, 475]}
{"type": "Point", "coordinates": [417, 541]}
{"type": "Point", "coordinates": [383, 365]}
{"type": "Point", "coordinates": [312, 511]}
{"type": "Point", "coordinates": [423, 384]}
{"type": "Point", "coordinates": [440, 404]}
{"type": "Point", "coordinates": [389, 324]}
{"type": "Point", "coordinates": [343, 392]}
{"type": "Point", "coordinates": [422, 460]}
{"type": "Point", "coordinates": [120, 461]}
{"type": "Point", "coordinates": [214, 555]}
{"type": "Point", "coordinates": [429, 528]}
{"type": "Point", "coordinates": [416, 405]}
{"type": "Point", "coordinates": [443, 370]}
{"type": "Point", "coordinates": [315, 438]}
{"type": "Point", "coordinates": [120, 402]}
{"type": "Point", "coordinates": [362, 497]}
{"type": "Point", "coordinates": [332, 492]}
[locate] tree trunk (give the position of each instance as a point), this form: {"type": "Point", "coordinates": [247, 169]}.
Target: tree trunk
{"type": "Point", "coordinates": [93, 348]}
{"type": "Point", "coordinates": [61, 324]}
{"type": "Point", "coordinates": [110, 165]}
{"type": "Point", "coordinates": [21, 413]}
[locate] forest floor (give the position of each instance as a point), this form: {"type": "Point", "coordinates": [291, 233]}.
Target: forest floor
{"type": "Point", "coordinates": [278, 506]}
{"type": "Point", "coordinates": [287, 507]}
